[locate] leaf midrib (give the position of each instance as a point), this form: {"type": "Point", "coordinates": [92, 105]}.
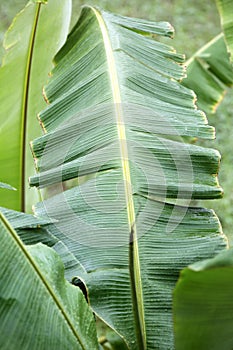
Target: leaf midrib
{"type": "Point", "coordinates": [41, 277]}
{"type": "Point", "coordinates": [135, 273]}
{"type": "Point", "coordinates": [25, 103]}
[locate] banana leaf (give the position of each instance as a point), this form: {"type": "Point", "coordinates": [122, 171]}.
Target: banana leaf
{"type": "Point", "coordinates": [209, 70]}
{"type": "Point", "coordinates": [33, 230]}
{"type": "Point", "coordinates": [203, 305]}
{"type": "Point", "coordinates": [209, 74]}
{"type": "Point", "coordinates": [116, 122]}
{"type": "Point", "coordinates": [225, 8]}
{"type": "Point", "coordinates": [39, 309]}
{"type": "Point", "coordinates": [32, 40]}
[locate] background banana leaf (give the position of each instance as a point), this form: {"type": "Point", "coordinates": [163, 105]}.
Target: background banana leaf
{"type": "Point", "coordinates": [32, 40]}
{"type": "Point", "coordinates": [38, 308]}
{"type": "Point", "coordinates": [209, 70]}
{"type": "Point", "coordinates": [117, 115]}
{"type": "Point", "coordinates": [209, 74]}
{"type": "Point", "coordinates": [225, 8]}
{"type": "Point", "coordinates": [203, 305]}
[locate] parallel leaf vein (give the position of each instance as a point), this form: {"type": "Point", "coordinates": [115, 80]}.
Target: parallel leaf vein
{"type": "Point", "coordinates": [135, 274]}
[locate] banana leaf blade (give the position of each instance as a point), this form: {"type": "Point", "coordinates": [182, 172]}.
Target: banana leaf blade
{"type": "Point", "coordinates": [203, 305]}
{"type": "Point", "coordinates": [225, 8]}
{"type": "Point", "coordinates": [24, 71]}
{"type": "Point", "coordinates": [209, 74]}
{"type": "Point", "coordinates": [39, 309]}
{"type": "Point", "coordinates": [115, 122]}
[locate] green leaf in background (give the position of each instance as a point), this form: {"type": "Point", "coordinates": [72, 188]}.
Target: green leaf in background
{"type": "Point", "coordinates": [117, 115]}
{"type": "Point", "coordinates": [203, 305]}
{"type": "Point", "coordinates": [39, 309]}
{"type": "Point", "coordinates": [209, 73]}
{"type": "Point", "coordinates": [225, 8]}
{"type": "Point", "coordinates": [32, 40]}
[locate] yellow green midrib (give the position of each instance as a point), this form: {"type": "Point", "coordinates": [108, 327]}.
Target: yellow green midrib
{"type": "Point", "coordinates": [126, 175]}
{"type": "Point", "coordinates": [25, 107]}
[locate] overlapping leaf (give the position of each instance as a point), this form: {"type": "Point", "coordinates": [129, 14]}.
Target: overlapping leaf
{"type": "Point", "coordinates": [30, 43]}
{"type": "Point", "coordinates": [38, 308]}
{"type": "Point", "coordinates": [209, 70]}
{"type": "Point", "coordinates": [225, 8]}
{"type": "Point", "coordinates": [209, 74]}
{"type": "Point", "coordinates": [33, 230]}
{"type": "Point", "coordinates": [115, 121]}
{"type": "Point", "coordinates": [203, 305]}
